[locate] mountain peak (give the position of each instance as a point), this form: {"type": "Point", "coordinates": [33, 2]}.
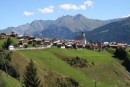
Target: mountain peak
{"type": "Point", "coordinates": [79, 16]}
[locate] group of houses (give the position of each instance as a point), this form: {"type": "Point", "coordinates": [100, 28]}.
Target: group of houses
{"type": "Point", "coordinates": [4, 35]}
{"type": "Point", "coordinates": [83, 43]}
{"type": "Point", "coordinates": [25, 40]}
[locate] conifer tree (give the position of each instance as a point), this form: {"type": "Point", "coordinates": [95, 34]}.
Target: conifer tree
{"type": "Point", "coordinates": [30, 76]}
{"type": "Point", "coordinates": [7, 43]}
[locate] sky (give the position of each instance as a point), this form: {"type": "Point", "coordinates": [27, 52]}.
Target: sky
{"type": "Point", "coordinates": [17, 12]}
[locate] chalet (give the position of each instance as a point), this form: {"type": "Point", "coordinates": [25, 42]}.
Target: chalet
{"type": "Point", "coordinates": [106, 43]}
{"type": "Point", "coordinates": [20, 36]}
{"type": "Point", "coordinates": [62, 46]}
{"type": "Point", "coordinates": [3, 36]}
{"type": "Point", "coordinates": [68, 46]}
{"type": "Point", "coordinates": [47, 41]}
{"type": "Point", "coordinates": [122, 44]}
{"type": "Point", "coordinates": [55, 43]}
{"type": "Point", "coordinates": [54, 39]}
{"type": "Point", "coordinates": [94, 46]}
{"type": "Point", "coordinates": [29, 37]}
{"type": "Point", "coordinates": [39, 41]}
{"type": "Point", "coordinates": [22, 42]}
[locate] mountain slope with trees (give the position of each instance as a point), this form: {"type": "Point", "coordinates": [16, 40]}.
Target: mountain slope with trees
{"type": "Point", "coordinates": [116, 31]}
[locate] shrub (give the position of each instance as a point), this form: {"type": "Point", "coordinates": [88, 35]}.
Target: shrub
{"type": "Point", "coordinates": [77, 62]}
{"type": "Point", "coordinates": [5, 65]}
{"type": "Point", "coordinates": [121, 53]}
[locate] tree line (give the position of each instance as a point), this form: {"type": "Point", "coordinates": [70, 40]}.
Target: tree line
{"type": "Point", "coordinates": [123, 55]}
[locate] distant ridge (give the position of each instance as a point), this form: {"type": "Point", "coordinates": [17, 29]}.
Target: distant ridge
{"type": "Point", "coordinates": [62, 27]}
{"type": "Point", "coordinates": [118, 31]}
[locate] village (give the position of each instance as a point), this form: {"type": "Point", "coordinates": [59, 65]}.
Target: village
{"type": "Point", "coordinates": [33, 42]}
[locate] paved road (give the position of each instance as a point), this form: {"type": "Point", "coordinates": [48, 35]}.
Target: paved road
{"type": "Point", "coordinates": [32, 48]}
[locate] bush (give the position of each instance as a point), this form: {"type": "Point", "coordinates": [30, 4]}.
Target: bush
{"type": "Point", "coordinates": [78, 62]}
{"type": "Point", "coordinates": [5, 65]}
{"type": "Point", "coordinates": [7, 43]}
{"type": "Point", "coordinates": [121, 53]}
{"type": "Point", "coordinates": [57, 80]}
{"type": "Point", "coordinates": [25, 46]}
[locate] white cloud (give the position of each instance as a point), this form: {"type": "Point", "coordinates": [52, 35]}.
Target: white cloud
{"type": "Point", "coordinates": [27, 13]}
{"type": "Point", "coordinates": [46, 10]}
{"type": "Point", "coordinates": [88, 3]}
{"type": "Point", "coordinates": [83, 7]}
{"type": "Point", "coordinates": [126, 16]}
{"type": "Point", "coordinates": [70, 6]}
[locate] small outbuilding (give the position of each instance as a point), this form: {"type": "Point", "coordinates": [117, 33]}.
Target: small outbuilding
{"type": "Point", "coordinates": [11, 47]}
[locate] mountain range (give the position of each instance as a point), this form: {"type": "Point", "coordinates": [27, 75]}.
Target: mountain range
{"type": "Point", "coordinates": [62, 25]}
{"type": "Point", "coordinates": [68, 27]}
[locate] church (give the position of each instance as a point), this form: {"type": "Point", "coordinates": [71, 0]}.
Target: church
{"type": "Point", "coordinates": [83, 40]}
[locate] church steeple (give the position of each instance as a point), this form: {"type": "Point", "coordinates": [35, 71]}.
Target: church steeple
{"type": "Point", "coordinates": [83, 34]}
{"type": "Point", "coordinates": [83, 40]}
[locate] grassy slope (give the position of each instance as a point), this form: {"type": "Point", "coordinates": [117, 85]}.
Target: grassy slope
{"type": "Point", "coordinates": [9, 81]}
{"type": "Point", "coordinates": [107, 71]}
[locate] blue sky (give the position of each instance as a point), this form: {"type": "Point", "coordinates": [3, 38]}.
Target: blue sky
{"type": "Point", "coordinates": [18, 12]}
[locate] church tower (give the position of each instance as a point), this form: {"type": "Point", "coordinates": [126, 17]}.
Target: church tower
{"type": "Point", "coordinates": [83, 39]}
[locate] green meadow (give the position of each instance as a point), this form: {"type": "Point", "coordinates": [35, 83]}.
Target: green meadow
{"type": "Point", "coordinates": [106, 72]}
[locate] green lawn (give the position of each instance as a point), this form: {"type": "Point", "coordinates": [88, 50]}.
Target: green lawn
{"type": "Point", "coordinates": [106, 71]}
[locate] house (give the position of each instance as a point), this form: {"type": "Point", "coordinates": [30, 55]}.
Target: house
{"type": "Point", "coordinates": [47, 41]}
{"type": "Point", "coordinates": [29, 37]}
{"type": "Point", "coordinates": [20, 36]}
{"type": "Point", "coordinates": [11, 47]}
{"type": "Point", "coordinates": [55, 43]}
{"type": "Point", "coordinates": [68, 46]}
{"type": "Point", "coordinates": [39, 41]}
{"type": "Point", "coordinates": [13, 34]}
{"type": "Point", "coordinates": [22, 42]}
{"type": "Point", "coordinates": [61, 45]}
{"type": "Point", "coordinates": [106, 43]}
{"type": "Point", "coordinates": [94, 46]}
{"type": "Point", "coordinates": [3, 36]}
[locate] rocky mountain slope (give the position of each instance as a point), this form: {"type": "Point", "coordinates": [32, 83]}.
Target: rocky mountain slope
{"type": "Point", "coordinates": [62, 27]}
